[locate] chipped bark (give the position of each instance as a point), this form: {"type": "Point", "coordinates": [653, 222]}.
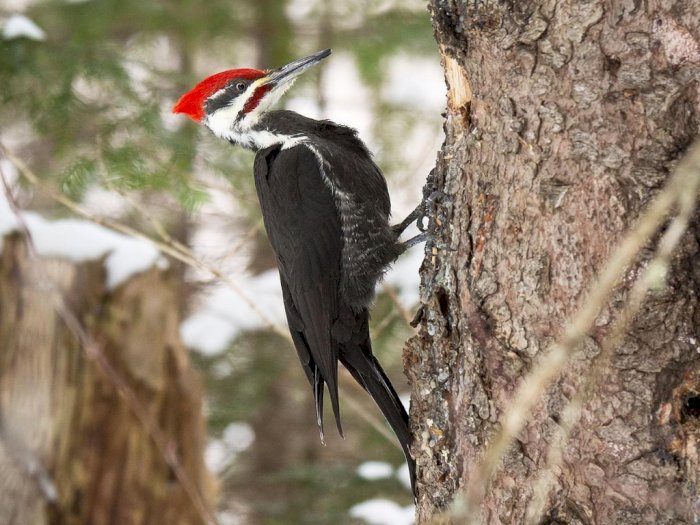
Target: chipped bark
{"type": "Point", "coordinates": [563, 120]}
{"type": "Point", "coordinates": [73, 449]}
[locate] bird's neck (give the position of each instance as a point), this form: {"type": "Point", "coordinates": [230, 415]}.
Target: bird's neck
{"type": "Point", "coordinates": [285, 128]}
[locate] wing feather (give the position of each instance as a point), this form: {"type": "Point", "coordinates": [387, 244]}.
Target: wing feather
{"type": "Point", "coordinates": [303, 225]}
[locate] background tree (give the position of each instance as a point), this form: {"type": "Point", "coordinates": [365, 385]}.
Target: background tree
{"type": "Point", "coordinates": [564, 120]}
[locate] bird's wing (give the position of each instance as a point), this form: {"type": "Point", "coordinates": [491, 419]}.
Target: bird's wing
{"type": "Point", "coordinates": [303, 225]}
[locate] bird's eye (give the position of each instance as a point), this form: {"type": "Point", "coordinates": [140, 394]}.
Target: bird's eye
{"type": "Point", "coordinates": [240, 86]}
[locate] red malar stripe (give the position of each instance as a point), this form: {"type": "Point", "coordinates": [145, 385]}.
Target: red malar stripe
{"type": "Point", "coordinates": [256, 98]}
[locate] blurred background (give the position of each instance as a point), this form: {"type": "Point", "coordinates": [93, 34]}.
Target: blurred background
{"type": "Point", "coordinates": [86, 88]}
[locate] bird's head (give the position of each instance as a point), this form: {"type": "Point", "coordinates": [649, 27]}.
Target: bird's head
{"type": "Point", "coordinates": [230, 103]}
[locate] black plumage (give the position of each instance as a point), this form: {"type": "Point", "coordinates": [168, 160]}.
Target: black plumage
{"type": "Point", "coordinates": [326, 208]}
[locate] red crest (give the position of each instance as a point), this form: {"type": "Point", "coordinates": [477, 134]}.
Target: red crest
{"type": "Point", "coordinates": [192, 102]}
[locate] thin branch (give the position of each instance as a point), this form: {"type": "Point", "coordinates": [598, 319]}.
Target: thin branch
{"type": "Point", "coordinates": [682, 189]}
{"type": "Point", "coordinates": [381, 327]}
{"type": "Point", "coordinates": [94, 353]}
{"type": "Point", "coordinates": [681, 185]}
{"type": "Point", "coordinates": [181, 253]}
{"type": "Point", "coordinates": [155, 223]}
{"type": "Point", "coordinates": [360, 410]}
{"type": "Point", "coordinates": [653, 276]}
{"type": "Point", "coordinates": [176, 253]}
{"type": "Point", "coordinates": [158, 226]}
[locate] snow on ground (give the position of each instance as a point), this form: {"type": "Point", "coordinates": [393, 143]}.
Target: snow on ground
{"type": "Point", "coordinates": [80, 241]}
{"type": "Point", "coordinates": [403, 275]}
{"type": "Point", "coordinates": [236, 438]}
{"type": "Point", "coordinates": [373, 470]}
{"type": "Point", "coordinates": [404, 476]}
{"type": "Point", "coordinates": [383, 512]}
{"type": "Point", "coordinates": [18, 26]}
{"type": "Point", "coordinates": [225, 313]}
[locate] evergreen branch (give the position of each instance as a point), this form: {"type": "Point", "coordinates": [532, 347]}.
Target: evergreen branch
{"type": "Point", "coordinates": [185, 256]}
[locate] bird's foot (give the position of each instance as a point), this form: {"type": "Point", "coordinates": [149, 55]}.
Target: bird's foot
{"type": "Point", "coordinates": [421, 237]}
{"type": "Point", "coordinates": [428, 209]}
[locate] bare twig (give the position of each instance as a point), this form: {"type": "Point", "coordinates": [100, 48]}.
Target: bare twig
{"type": "Point", "coordinates": [653, 275]}
{"type": "Point", "coordinates": [361, 411]}
{"type": "Point", "coordinates": [94, 352]}
{"type": "Point", "coordinates": [681, 185]}
{"type": "Point", "coordinates": [681, 189]}
{"type": "Point", "coordinates": [181, 253]}
{"type": "Point", "coordinates": [175, 252]}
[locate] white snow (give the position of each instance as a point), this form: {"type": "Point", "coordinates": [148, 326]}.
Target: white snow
{"type": "Point", "coordinates": [18, 26]}
{"type": "Point", "coordinates": [416, 82]}
{"type": "Point", "coordinates": [104, 202]}
{"type": "Point", "coordinates": [404, 477]}
{"type": "Point", "coordinates": [230, 517]}
{"type": "Point", "coordinates": [373, 470]}
{"type": "Point", "coordinates": [80, 241]}
{"type": "Point", "coordinates": [403, 275]}
{"type": "Point", "coordinates": [383, 512]}
{"type": "Point", "coordinates": [236, 438]}
{"type": "Point", "coordinates": [406, 401]}
{"type": "Point", "coordinates": [215, 456]}
{"type": "Point", "coordinates": [226, 313]}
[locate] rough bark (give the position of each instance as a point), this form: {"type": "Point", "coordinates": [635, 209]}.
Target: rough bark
{"type": "Point", "coordinates": [84, 419]}
{"type": "Point", "coordinates": [564, 118]}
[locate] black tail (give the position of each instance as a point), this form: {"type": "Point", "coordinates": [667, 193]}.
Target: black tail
{"type": "Point", "coordinates": [368, 372]}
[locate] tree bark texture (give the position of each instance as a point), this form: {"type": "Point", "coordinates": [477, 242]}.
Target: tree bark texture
{"type": "Point", "coordinates": [88, 378]}
{"type": "Point", "coordinates": [564, 118]}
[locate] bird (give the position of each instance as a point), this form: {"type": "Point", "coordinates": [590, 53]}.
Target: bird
{"type": "Point", "coordinates": [326, 210]}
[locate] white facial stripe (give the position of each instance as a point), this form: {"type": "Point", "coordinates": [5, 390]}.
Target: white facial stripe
{"type": "Point", "coordinates": [270, 98]}
{"type": "Point", "coordinates": [224, 121]}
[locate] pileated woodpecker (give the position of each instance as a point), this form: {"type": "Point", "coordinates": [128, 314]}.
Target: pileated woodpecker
{"type": "Point", "coordinates": [326, 207]}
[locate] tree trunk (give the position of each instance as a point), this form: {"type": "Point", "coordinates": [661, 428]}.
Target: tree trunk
{"type": "Point", "coordinates": [564, 119]}
{"type": "Point", "coordinates": [101, 412]}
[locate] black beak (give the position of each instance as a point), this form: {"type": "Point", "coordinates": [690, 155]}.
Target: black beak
{"type": "Point", "coordinates": [292, 70]}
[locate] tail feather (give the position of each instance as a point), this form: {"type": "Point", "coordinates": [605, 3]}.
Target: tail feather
{"type": "Point", "coordinates": [367, 371]}
{"type": "Point", "coordinates": [333, 391]}
{"type": "Point", "coordinates": [319, 384]}
{"type": "Point", "coordinates": [318, 401]}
